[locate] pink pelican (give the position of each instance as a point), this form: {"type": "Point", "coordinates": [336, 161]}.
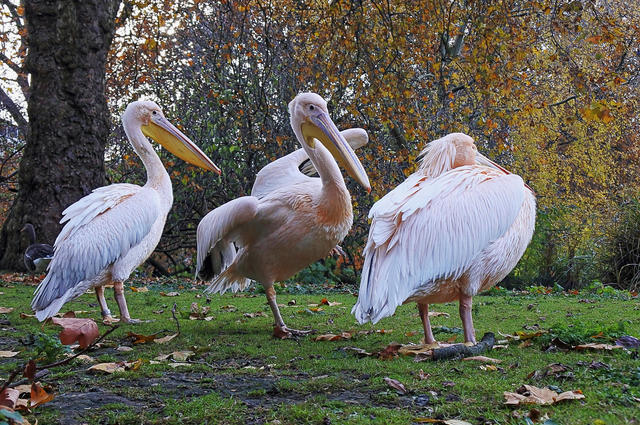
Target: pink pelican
{"type": "Point", "coordinates": [113, 230]}
{"type": "Point", "coordinates": [455, 227]}
{"type": "Point", "coordinates": [289, 223]}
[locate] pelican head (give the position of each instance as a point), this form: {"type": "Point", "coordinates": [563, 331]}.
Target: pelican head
{"type": "Point", "coordinates": [154, 125]}
{"type": "Point", "coordinates": [452, 151]}
{"type": "Point", "coordinates": [310, 121]}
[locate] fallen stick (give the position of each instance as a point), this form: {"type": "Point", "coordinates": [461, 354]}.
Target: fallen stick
{"type": "Point", "coordinates": [461, 350]}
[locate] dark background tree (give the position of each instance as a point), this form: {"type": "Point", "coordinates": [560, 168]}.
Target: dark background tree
{"type": "Point", "coordinates": [69, 121]}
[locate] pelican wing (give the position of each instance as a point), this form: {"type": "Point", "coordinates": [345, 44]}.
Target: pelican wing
{"type": "Point", "coordinates": [280, 173]}
{"type": "Point", "coordinates": [430, 229]}
{"type": "Point", "coordinates": [100, 228]}
{"type": "Point", "coordinates": [296, 166]}
{"type": "Point", "coordinates": [216, 234]}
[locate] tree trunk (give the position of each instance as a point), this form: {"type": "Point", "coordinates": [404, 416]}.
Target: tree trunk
{"type": "Point", "coordinates": [69, 120]}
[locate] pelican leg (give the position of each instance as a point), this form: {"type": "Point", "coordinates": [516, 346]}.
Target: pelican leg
{"type": "Point", "coordinates": [426, 323]}
{"type": "Point", "coordinates": [280, 330]}
{"type": "Point", "coordinates": [104, 308]}
{"type": "Point", "coordinates": [118, 290]}
{"type": "Point", "coordinates": [467, 321]}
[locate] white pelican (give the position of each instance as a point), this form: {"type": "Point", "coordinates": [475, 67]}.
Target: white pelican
{"type": "Point", "coordinates": [114, 229]}
{"type": "Point", "coordinates": [37, 255]}
{"type": "Point", "coordinates": [455, 227]}
{"type": "Point", "coordinates": [296, 222]}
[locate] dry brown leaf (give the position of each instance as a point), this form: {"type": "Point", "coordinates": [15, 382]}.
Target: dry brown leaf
{"type": "Point", "coordinates": [110, 367]}
{"type": "Point", "coordinates": [26, 316]}
{"type": "Point", "coordinates": [441, 422]}
{"type": "Point", "coordinates": [113, 367]}
{"type": "Point", "coordinates": [142, 339]}
{"type": "Point", "coordinates": [23, 389]}
{"type": "Point", "coordinates": [140, 289]}
{"type": "Point", "coordinates": [178, 364]}
{"type": "Point", "coordinates": [229, 308]}
{"type": "Point", "coordinates": [39, 395]}
{"type": "Point", "coordinates": [7, 354]}
{"type": "Point", "coordinates": [5, 310]}
{"type": "Point", "coordinates": [594, 346]}
{"type": "Point", "coordinates": [30, 370]}
{"type": "Point", "coordinates": [182, 356]}
{"type": "Point", "coordinates": [165, 339]}
{"type": "Point", "coordinates": [423, 375]}
{"type": "Point", "coordinates": [169, 294]}
{"type": "Point", "coordinates": [529, 394]}
{"type": "Point", "coordinates": [85, 331]}
{"type": "Point", "coordinates": [9, 397]}
{"type": "Point", "coordinates": [438, 313]}
{"type": "Point", "coordinates": [482, 359]}
{"type": "Point", "coordinates": [395, 384]}
{"type": "Point", "coordinates": [124, 348]}
{"type": "Point", "coordinates": [334, 337]}
{"type": "Point", "coordinates": [256, 314]}
{"type": "Point", "coordinates": [486, 367]}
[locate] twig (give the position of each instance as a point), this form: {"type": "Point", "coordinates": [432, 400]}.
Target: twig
{"type": "Point", "coordinates": [173, 313]}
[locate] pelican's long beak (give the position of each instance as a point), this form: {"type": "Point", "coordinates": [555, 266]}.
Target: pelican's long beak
{"type": "Point", "coordinates": [483, 160]}
{"type": "Point", "coordinates": [323, 129]}
{"type": "Point", "coordinates": [172, 139]}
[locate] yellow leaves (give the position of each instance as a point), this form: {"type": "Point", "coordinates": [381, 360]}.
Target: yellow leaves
{"type": "Point", "coordinates": [597, 111]}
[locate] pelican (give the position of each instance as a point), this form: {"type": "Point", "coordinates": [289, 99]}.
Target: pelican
{"type": "Point", "coordinates": [455, 227]}
{"type": "Point", "coordinates": [37, 255]}
{"type": "Point", "coordinates": [293, 223]}
{"type": "Point", "coordinates": [113, 230]}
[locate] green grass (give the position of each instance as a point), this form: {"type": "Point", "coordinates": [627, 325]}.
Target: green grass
{"type": "Point", "coordinates": [241, 374]}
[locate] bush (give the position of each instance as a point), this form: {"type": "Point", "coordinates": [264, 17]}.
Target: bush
{"type": "Point", "coordinates": [622, 261]}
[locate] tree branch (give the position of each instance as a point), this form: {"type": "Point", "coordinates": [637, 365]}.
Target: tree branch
{"type": "Point", "coordinates": [14, 110]}
{"type": "Point", "coordinates": [570, 98]}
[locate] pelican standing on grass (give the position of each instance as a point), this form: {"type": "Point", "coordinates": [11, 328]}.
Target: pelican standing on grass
{"type": "Point", "coordinates": [455, 227]}
{"type": "Point", "coordinates": [114, 229]}
{"type": "Point", "coordinates": [296, 221]}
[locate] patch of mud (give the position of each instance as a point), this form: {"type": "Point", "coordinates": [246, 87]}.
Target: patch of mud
{"type": "Point", "coordinates": [259, 392]}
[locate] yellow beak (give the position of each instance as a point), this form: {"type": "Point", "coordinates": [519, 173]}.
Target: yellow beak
{"type": "Point", "coordinates": [323, 129]}
{"type": "Point", "coordinates": [173, 140]}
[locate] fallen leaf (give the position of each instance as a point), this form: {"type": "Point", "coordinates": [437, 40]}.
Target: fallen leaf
{"type": "Point", "coordinates": [395, 384]}
{"type": "Point", "coordinates": [333, 337]}
{"type": "Point", "coordinates": [30, 370]}
{"type": "Point", "coordinates": [482, 359]}
{"type": "Point", "coordinates": [181, 356]}
{"type": "Point", "coordinates": [256, 314]}
{"type": "Point", "coordinates": [26, 316]}
{"type": "Point", "coordinates": [23, 389]}
{"type": "Point", "coordinates": [175, 365]}
{"type": "Point", "coordinates": [486, 367]}
{"type": "Point", "coordinates": [6, 354]}
{"type": "Point", "coordinates": [423, 375]}
{"type": "Point", "coordinates": [410, 333]}
{"type": "Point", "coordinates": [124, 348]}
{"type": "Point", "coordinates": [229, 308]}
{"type": "Point", "coordinates": [169, 294]}
{"type": "Point", "coordinates": [9, 397]}
{"type": "Point", "coordinates": [85, 359]}
{"type": "Point", "coordinates": [39, 395]}
{"type": "Point", "coordinates": [595, 346]}
{"type": "Point", "coordinates": [5, 310]}
{"type": "Point", "coordinates": [165, 339]}
{"type": "Point", "coordinates": [389, 352]}
{"type": "Point", "coordinates": [85, 331]}
{"type": "Point", "coordinates": [142, 339]}
{"type": "Point", "coordinates": [158, 311]}
{"type": "Point", "coordinates": [113, 367]}
{"type": "Point", "coordinates": [140, 289]}
{"type": "Point", "coordinates": [438, 313]}
{"type": "Point", "coordinates": [528, 394]}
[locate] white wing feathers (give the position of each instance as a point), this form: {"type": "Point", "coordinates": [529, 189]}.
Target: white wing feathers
{"type": "Point", "coordinates": [280, 173]}
{"type": "Point", "coordinates": [429, 229]}
{"type": "Point", "coordinates": [101, 228]}
{"type": "Point", "coordinates": [216, 236]}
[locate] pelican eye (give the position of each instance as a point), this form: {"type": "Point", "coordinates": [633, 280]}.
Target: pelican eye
{"type": "Point", "coordinates": [311, 107]}
{"type": "Point", "coordinates": [155, 112]}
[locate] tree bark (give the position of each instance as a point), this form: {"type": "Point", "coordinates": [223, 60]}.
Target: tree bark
{"type": "Point", "coordinates": [68, 42]}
